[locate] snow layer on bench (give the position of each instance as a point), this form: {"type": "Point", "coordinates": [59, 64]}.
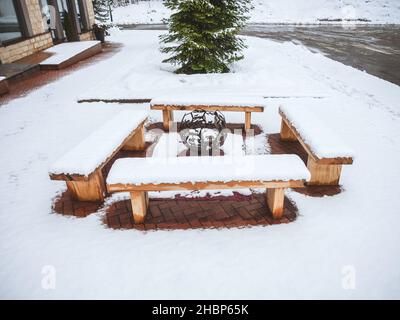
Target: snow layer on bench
{"type": "Point", "coordinates": [65, 51]}
{"type": "Point", "coordinates": [322, 140]}
{"type": "Point", "coordinates": [88, 155]}
{"type": "Point", "coordinates": [209, 100]}
{"type": "Point", "coordinates": [139, 171]}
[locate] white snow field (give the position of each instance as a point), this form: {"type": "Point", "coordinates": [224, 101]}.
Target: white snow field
{"type": "Point", "coordinates": [280, 11]}
{"type": "Point", "coordinates": [343, 246]}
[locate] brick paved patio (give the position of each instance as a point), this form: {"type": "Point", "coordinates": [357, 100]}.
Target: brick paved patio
{"type": "Point", "coordinates": [28, 81]}
{"type": "Point", "coordinates": [236, 211]}
{"type": "Point", "coordinates": [206, 212]}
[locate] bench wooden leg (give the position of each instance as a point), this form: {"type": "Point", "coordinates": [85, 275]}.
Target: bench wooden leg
{"type": "Point", "coordinates": [323, 174]}
{"type": "Point", "coordinates": [247, 122]}
{"type": "Point", "coordinates": [275, 201]}
{"type": "Point", "coordinates": [137, 142]}
{"type": "Point", "coordinates": [3, 87]}
{"type": "Point", "coordinates": [147, 199]}
{"type": "Point", "coordinates": [92, 190]}
{"type": "Point", "coordinates": [139, 202]}
{"type": "Point", "coordinates": [168, 117]}
{"type": "Point", "coordinates": [286, 133]}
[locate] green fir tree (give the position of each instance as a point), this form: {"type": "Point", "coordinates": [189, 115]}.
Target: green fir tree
{"type": "Point", "coordinates": [203, 34]}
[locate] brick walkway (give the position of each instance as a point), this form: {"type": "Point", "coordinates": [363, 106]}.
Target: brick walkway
{"type": "Point", "coordinates": [29, 82]}
{"type": "Point", "coordinates": [232, 212]}
{"type": "Point", "coordinates": [183, 213]}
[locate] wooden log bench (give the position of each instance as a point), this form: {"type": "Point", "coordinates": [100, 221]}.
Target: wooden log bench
{"type": "Point", "coordinates": [272, 172]}
{"type": "Point", "coordinates": [82, 166]}
{"type": "Point", "coordinates": [167, 106]}
{"type": "Point", "coordinates": [326, 152]}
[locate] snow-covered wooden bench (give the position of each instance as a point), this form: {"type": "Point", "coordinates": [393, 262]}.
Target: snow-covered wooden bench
{"type": "Point", "coordinates": [273, 172]}
{"type": "Point", "coordinates": [82, 166]}
{"type": "Point", "coordinates": [326, 152]}
{"type": "Point", "coordinates": [170, 104]}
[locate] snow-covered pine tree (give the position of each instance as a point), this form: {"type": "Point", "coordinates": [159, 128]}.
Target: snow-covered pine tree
{"type": "Point", "coordinates": [203, 34]}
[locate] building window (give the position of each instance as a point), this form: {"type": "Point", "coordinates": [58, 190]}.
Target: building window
{"type": "Point", "coordinates": [78, 14]}
{"type": "Point", "coordinates": [10, 28]}
{"type": "Point", "coordinates": [63, 8]}
{"type": "Point", "coordinates": [68, 19]}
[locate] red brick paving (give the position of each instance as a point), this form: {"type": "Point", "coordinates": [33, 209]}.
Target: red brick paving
{"type": "Point", "coordinates": [232, 212]}
{"type": "Point", "coordinates": [65, 205]}
{"type": "Point", "coordinates": [182, 213]}
{"type": "Point", "coordinates": [207, 212]}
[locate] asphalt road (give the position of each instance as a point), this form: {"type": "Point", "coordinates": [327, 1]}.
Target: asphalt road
{"type": "Point", "coordinates": [373, 48]}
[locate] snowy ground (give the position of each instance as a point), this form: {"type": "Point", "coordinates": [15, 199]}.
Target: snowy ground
{"type": "Point", "coordinates": [281, 11]}
{"type": "Point", "coordinates": [351, 234]}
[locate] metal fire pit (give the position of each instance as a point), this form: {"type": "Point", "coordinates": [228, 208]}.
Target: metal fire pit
{"type": "Point", "coordinates": [202, 130]}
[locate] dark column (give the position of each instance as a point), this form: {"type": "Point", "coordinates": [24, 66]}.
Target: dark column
{"type": "Point", "coordinates": [23, 18]}
{"type": "Point", "coordinates": [59, 30]}
{"type": "Point", "coordinates": [74, 19]}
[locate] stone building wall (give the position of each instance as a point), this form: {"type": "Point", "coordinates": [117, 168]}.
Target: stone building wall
{"type": "Point", "coordinates": [41, 38]}
{"type": "Point", "coordinates": [86, 36]}
{"type": "Point", "coordinates": [35, 17]}
{"type": "Point", "coordinates": [24, 48]}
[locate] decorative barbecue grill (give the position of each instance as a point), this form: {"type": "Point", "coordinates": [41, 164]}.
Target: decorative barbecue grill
{"type": "Point", "coordinates": [202, 130]}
